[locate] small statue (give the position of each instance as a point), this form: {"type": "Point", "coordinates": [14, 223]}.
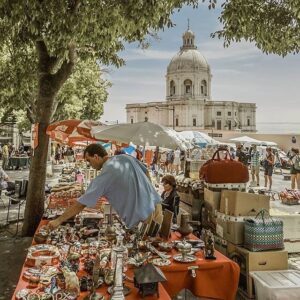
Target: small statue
{"type": "Point", "coordinates": [209, 249]}
{"type": "Point", "coordinates": [72, 281]}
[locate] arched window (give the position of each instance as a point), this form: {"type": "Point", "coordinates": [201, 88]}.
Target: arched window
{"type": "Point", "coordinates": [172, 88]}
{"type": "Point", "coordinates": [187, 87]}
{"type": "Point", "coordinates": [203, 88]}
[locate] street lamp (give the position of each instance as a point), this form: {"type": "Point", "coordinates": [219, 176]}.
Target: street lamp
{"type": "Point", "coordinates": [173, 113]}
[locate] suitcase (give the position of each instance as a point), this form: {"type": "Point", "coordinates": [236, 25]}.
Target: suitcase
{"type": "Point", "coordinates": [217, 170]}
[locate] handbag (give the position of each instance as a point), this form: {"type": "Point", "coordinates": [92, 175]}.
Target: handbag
{"type": "Point", "coordinates": [217, 170]}
{"type": "Point", "coordinates": [263, 232]}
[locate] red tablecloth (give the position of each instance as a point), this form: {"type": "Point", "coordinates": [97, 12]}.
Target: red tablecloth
{"type": "Point", "coordinates": [217, 279]}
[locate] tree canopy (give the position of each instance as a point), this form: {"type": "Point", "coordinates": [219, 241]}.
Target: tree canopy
{"type": "Point", "coordinates": [81, 97]}
{"type": "Point", "coordinates": [273, 25]}
{"type": "Point", "coordinates": [52, 37]}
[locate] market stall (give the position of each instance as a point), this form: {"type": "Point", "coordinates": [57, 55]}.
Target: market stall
{"type": "Point", "coordinates": [215, 279]}
{"type": "Point", "coordinates": [90, 236]}
{"type": "Point", "coordinates": [17, 162]}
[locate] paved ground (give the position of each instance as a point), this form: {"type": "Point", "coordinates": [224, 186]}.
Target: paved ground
{"type": "Point", "coordinates": [13, 247]}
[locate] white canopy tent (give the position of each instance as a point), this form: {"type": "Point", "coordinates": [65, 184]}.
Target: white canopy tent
{"type": "Point", "coordinates": [197, 137]}
{"type": "Point", "coordinates": [268, 144]}
{"type": "Point", "coordinates": [246, 140]}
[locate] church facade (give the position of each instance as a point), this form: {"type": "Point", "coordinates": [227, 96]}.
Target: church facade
{"type": "Point", "coordinates": [188, 104]}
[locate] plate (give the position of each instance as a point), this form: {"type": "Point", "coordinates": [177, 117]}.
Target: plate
{"type": "Point", "coordinates": [160, 262]}
{"type": "Point", "coordinates": [186, 259]}
{"type": "Point", "coordinates": [126, 290]}
{"type": "Point", "coordinates": [22, 294]}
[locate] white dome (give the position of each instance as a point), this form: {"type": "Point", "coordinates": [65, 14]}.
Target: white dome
{"type": "Point", "coordinates": [188, 60]}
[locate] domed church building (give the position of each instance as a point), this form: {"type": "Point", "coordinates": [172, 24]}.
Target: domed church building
{"type": "Point", "coordinates": [188, 104]}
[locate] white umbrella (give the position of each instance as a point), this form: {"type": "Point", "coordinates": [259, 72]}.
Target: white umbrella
{"type": "Point", "coordinates": [141, 133]}
{"type": "Point", "coordinates": [246, 140]}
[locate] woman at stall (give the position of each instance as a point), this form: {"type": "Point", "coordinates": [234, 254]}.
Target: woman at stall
{"type": "Point", "coordinates": [169, 196]}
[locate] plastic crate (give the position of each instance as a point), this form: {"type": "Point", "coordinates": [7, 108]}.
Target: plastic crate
{"type": "Point", "coordinates": [277, 285]}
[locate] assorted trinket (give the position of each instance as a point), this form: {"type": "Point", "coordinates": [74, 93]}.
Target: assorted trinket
{"type": "Point", "coordinates": [209, 249]}
{"type": "Point", "coordinates": [146, 279]}
{"type": "Point", "coordinates": [104, 250]}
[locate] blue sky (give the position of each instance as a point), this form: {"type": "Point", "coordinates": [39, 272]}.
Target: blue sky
{"type": "Point", "coordinates": [240, 73]}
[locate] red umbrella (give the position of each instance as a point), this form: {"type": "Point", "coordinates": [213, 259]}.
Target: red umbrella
{"type": "Point", "coordinates": [70, 131]}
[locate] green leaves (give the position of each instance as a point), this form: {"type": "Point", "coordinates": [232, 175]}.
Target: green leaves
{"type": "Point", "coordinates": [36, 53]}
{"type": "Point", "coordinates": [274, 26]}
{"type": "Point", "coordinates": [83, 94]}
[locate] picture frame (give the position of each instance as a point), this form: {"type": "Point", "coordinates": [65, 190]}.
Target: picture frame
{"type": "Point", "coordinates": [165, 230]}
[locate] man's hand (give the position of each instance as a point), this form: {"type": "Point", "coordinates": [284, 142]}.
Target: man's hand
{"type": "Point", "coordinates": [69, 213]}
{"type": "Point", "coordinates": [53, 224]}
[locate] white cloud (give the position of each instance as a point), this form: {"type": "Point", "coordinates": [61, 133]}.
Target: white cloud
{"type": "Point", "coordinates": [214, 50]}
{"type": "Point", "coordinates": [148, 54]}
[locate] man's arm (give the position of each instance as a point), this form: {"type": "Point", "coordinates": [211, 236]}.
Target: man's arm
{"type": "Point", "coordinates": [69, 213]}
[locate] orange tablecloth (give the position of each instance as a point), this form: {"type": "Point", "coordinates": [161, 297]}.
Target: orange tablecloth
{"type": "Point", "coordinates": [163, 295]}
{"type": "Point", "coordinates": [217, 279]}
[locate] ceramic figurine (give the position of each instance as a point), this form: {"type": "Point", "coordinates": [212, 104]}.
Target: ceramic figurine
{"type": "Point", "coordinates": [209, 249]}
{"type": "Point", "coordinates": [72, 281]}
{"type": "Point", "coordinates": [93, 295]}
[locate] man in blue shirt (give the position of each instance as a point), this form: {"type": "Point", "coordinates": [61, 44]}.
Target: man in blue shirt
{"type": "Point", "coordinates": [124, 182]}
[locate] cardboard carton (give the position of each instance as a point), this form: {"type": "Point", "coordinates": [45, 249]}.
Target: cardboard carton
{"type": "Point", "coordinates": [236, 203]}
{"type": "Point", "coordinates": [232, 231]}
{"type": "Point", "coordinates": [260, 261]}
{"type": "Point", "coordinates": [213, 198]}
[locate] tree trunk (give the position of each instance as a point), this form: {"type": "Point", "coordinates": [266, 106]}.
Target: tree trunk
{"type": "Point", "coordinates": [37, 177]}
{"type": "Point", "coordinates": [49, 85]}
{"type": "Point", "coordinates": [36, 188]}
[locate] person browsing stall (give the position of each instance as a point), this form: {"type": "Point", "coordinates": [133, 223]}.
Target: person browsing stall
{"type": "Point", "coordinates": [5, 183]}
{"type": "Point", "coordinates": [170, 196]}
{"type": "Point", "coordinates": [269, 166]}
{"type": "Point", "coordinates": [255, 164]}
{"type": "Point", "coordinates": [124, 181]}
{"type": "Point", "coordinates": [294, 160]}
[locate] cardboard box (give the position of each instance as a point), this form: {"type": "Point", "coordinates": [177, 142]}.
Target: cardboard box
{"type": "Point", "coordinates": [260, 261]}
{"type": "Point", "coordinates": [236, 203]}
{"type": "Point", "coordinates": [213, 198]}
{"type": "Point", "coordinates": [255, 261]}
{"type": "Point", "coordinates": [232, 231]}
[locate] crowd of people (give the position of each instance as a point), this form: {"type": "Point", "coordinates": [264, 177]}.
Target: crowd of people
{"type": "Point", "coordinates": [62, 154]}
{"type": "Point", "coordinates": [269, 160]}
{"type": "Point", "coordinates": [9, 150]}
